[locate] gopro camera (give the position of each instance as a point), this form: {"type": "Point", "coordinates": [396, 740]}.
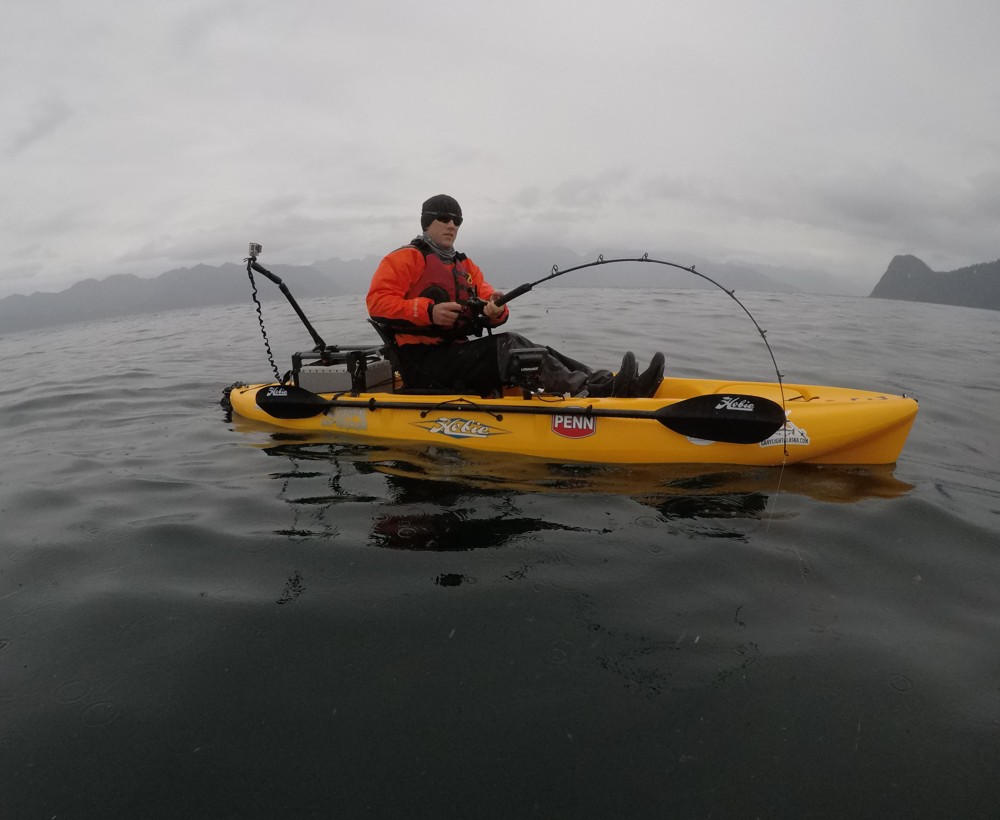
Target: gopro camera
{"type": "Point", "coordinates": [255, 249]}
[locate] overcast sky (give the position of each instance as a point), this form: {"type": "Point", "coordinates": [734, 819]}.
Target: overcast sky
{"type": "Point", "coordinates": [136, 137]}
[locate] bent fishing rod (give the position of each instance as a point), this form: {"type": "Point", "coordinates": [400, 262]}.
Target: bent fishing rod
{"type": "Point", "coordinates": [522, 289]}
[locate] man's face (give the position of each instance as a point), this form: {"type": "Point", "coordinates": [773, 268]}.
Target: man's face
{"type": "Point", "coordinates": [443, 233]}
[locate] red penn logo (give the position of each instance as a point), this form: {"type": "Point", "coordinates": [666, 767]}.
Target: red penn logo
{"type": "Point", "coordinates": [573, 426]}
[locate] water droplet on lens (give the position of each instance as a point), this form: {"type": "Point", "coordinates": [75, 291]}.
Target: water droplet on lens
{"type": "Point", "coordinates": [900, 683]}
{"type": "Point", "coordinates": [100, 714]}
{"type": "Point", "coordinates": [73, 691]}
{"type": "Point", "coordinates": [560, 652]}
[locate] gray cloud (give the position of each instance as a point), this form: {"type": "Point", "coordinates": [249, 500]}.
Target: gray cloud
{"type": "Point", "coordinates": [39, 121]}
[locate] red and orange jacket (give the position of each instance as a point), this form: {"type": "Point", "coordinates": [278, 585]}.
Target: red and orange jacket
{"type": "Point", "coordinates": [411, 280]}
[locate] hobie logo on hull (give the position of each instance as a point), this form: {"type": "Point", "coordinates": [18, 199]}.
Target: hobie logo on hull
{"type": "Point", "coordinates": [732, 403]}
{"type": "Point", "coordinates": [459, 428]}
{"type": "Point", "coordinates": [573, 426]}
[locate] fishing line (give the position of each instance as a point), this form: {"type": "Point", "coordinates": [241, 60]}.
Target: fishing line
{"type": "Point", "coordinates": [777, 488]}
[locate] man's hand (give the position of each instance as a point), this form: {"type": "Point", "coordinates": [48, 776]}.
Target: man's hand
{"type": "Point", "coordinates": [445, 314]}
{"type": "Point", "coordinates": [491, 310]}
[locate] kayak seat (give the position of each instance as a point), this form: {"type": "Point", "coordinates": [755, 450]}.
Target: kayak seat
{"type": "Point", "coordinates": [390, 350]}
{"type": "Point", "coordinates": [389, 347]}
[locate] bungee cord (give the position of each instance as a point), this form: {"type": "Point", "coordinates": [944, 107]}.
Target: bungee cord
{"type": "Point", "coordinates": [260, 320]}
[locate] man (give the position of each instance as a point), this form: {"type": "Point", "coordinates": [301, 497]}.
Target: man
{"type": "Point", "coordinates": [428, 295]}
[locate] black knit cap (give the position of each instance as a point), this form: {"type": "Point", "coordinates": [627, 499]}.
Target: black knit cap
{"type": "Point", "coordinates": [439, 204]}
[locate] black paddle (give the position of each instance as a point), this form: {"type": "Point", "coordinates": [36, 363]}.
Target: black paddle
{"type": "Point", "coordinates": [729, 417]}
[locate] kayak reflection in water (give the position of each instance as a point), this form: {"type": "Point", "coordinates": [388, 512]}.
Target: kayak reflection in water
{"type": "Point", "coordinates": [427, 299]}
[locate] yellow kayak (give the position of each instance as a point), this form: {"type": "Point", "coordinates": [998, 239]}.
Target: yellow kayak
{"type": "Point", "coordinates": [356, 391]}
{"type": "Point", "coordinates": [688, 421]}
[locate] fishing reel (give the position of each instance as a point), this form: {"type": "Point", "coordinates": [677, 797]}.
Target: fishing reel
{"type": "Point", "coordinates": [477, 307]}
{"type": "Point", "coordinates": [480, 321]}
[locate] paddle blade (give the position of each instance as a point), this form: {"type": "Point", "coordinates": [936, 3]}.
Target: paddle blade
{"type": "Point", "coordinates": [730, 417]}
{"type": "Point", "coordinates": [286, 401]}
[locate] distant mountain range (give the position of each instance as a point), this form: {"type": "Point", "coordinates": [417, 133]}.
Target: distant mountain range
{"type": "Point", "coordinates": [125, 295]}
{"type": "Point", "coordinates": [908, 278]}
{"type": "Point", "coordinates": [206, 285]}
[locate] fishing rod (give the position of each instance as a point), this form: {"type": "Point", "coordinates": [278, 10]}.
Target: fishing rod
{"type": "Point", "coordinates": [522, 289]}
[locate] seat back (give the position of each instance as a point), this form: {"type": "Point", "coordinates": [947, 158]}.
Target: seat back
{"type": "Point", "coordinates": [389, 349]}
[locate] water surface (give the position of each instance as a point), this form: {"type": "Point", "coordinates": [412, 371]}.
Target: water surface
{"type": "Point", "coordinates": [200, 618]}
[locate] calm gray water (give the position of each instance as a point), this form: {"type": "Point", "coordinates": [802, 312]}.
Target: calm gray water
{"type": "Point", "coordinates": [198, 619]}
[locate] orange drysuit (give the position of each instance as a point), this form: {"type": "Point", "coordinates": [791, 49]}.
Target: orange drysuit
{"type": "Point", "coordinates": [412, 279]}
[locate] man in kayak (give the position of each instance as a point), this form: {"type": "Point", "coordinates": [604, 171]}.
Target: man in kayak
{"type": "Point", "coordinates": [432, 298]}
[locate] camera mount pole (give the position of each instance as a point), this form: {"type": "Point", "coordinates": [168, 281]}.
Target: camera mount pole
{"type": "Point", "coordinates": [253, 264]}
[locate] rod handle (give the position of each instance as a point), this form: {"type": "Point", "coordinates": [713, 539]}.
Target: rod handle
{"type": "Point", "coordinates": [513, 294]}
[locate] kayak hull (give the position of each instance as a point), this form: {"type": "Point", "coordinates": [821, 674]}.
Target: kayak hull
{"type": "Point", "coordinates": [825, 425]}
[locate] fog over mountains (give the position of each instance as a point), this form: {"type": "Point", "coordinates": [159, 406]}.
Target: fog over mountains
{"type": "Point", "coordinates": [205, 285]}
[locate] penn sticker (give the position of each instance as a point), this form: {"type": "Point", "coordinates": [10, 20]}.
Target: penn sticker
{"type": "Point", "coordinates": [574, 426]}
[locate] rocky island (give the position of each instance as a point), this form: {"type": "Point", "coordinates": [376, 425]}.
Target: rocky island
{"type": "Point", "coordinates": [910, 279]}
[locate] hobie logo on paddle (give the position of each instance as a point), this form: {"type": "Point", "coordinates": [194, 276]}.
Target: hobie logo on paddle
{"type": "Point", "coordinates": [459, 428]}
{"type": "Point", "coordinates": [572, 426]}
{"type": "Point", "coordinates": [735, 403]}
{"type": "Point", "coordinates": [276, 391]}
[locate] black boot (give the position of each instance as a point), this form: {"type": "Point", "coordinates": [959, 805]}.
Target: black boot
{"type": "Point", "coordinates": [625, 378]}
{"type": "Point", "coordinates": [649, 380]}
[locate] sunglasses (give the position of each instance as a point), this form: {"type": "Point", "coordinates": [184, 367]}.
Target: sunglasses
{"type": "Point", "coordinates": [446, 218]}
